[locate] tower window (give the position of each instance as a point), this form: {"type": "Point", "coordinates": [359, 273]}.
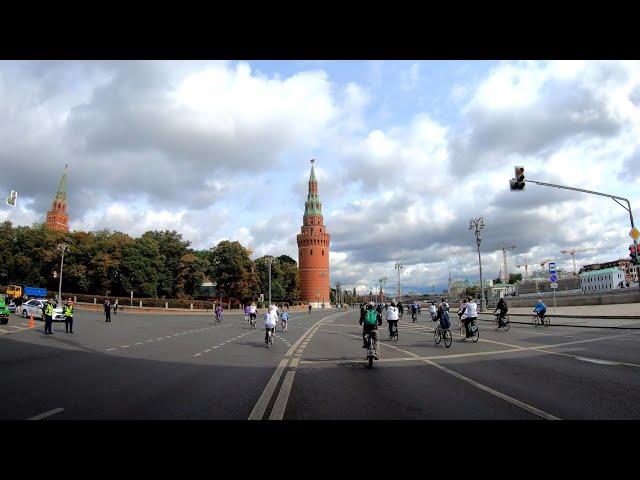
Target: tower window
{"type": "Point", "coordinates": [311, 252]}
{"type": "Point", "coordinates": [322, 252]}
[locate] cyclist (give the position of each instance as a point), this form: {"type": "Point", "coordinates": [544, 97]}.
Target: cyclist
{"type": "Point", "coordinates": [442, 316]}
{"type": "Point", "coordinates": [471, 309]}
{"type": "Point", "coordinates": [284, 318]}
{"type": "Point", "coordinates": [252, 313]}
{"type": "Point", "coordinates": [400, 309]}
{"type": "Point", "coordinates": [370, 322]}
{"type": "Point", "coordinates": [419, 308]}
{"type": "Point", "coordinates": [247, 311]}
{"type": "Point", "coordinates": [270, 320]}
{"type": "Point", "coordinates": [540, 309]}
{"type": "Point", "coordinates": [445, 304]}
{"type": "Point", "coordinates": [433, 311]}
{"type": "Point", "coordinates": [414, 312]}
{"type": "Point", "coordinates": [309, 309]}
{"type": "Point", "coordinates": [392, 318]}
{"type": "Point", "coordinates": [502, 306]}
{"type": "Point", "coordinates": [219, 313]}
{"type": "Point", "coordinates": [463, 308]}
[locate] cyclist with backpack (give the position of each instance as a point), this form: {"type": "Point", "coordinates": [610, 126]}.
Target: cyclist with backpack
{"type": "Point", "coordinates": [414, 312]}
{"type": "Point", "coordinates": [502, 306]}
{"type": "Point", "coordinates": [370, 322]}
{"type": "Point", "coordinates": [472, 315]}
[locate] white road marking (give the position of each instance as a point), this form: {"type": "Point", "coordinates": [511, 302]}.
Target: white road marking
{"type": "Point", "coordinates": [485, 388]}
{"type": "Point", "coordinates": [160, 338]}
{"type": "Point", "coordinates": [109, 349]}
{"type": "Point", "coordinates": [595, 360]}
{"type": "Point", "coordinates": [207, 350]}
{"type": "Point", "coordinates": [138, 343]}
{"type": "Point", "coordinates": [26, 324]}
{"type": "Point", "coordinates": [15, 326]}
{"type": "Point", "coordinates": [4, 331]}
{"type": "Point", "coordinates": [277, 412]}
{"type": "Point", "coordinates": [124, 346]}
{"type": "Point", "coordinates": [197, 354]}
{"type": "Point", "coordinates": [46, 414]}
{"type": "Point", "coordinates": [149, 341]}
{"type": "Point", "coordinates": [168, 336]}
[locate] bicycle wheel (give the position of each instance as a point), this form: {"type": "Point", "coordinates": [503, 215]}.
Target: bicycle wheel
{"type": "Point", "coordinates": [436, 336]}
{"type": "Point", "coordinates": [535, 320]}
{"type": "Point", "coordinates": [448, 338]}
{"type": "Point", "coordinates": [507, 324]}
{"type": "Point", "coordinates": [370, 365]}
{"type": "Point", "coordinates": [496, 325]}
{"type": "Point", "coordinates": [463, 331]}
{"type": "Point", "coordinates": [547, 320]}
{"type": "Point", "coordinates": [476, 335]}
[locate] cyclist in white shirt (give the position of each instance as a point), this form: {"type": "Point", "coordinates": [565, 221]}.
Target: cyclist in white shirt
{"type": "Point", "coordinates": [472, 314]}
{"type": "Point", "coordinates": [433, 311]}
{"type": "Point", "coordinates": [270, 320]}
{"type": "Point", "coordinates": [392, 317]}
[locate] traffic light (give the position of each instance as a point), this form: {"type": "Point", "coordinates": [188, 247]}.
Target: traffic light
{"type": "Point", "coordinates": [517, 183]}
{"type": "Point", "coordinates": [633, 253]}
{"type": "Point", "coordinates": [55, 274]}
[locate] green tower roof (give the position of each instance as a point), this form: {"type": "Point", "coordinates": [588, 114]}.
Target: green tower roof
{"type": "Point", "coordinates": [313, 205]}
{"type": "Point", "coordinates": [61, 194]}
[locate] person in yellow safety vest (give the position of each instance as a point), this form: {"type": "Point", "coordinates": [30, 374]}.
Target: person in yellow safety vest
{"type": "Point", "coordinates": [48, 317]}
{"type": "Point", "coordinates": [68, 317]}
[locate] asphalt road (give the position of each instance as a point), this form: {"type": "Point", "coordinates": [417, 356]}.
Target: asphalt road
{"type": "Point", "coordinates": [186, 367]}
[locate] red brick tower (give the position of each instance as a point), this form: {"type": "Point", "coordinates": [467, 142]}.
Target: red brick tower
{"type": "Point", "coordinates": [57, 218]}
{"type": "Point", "coordinates": [313, 250]}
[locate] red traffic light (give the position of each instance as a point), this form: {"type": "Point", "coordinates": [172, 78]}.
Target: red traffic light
{"type": "Point", "coordinates": [517, 183]}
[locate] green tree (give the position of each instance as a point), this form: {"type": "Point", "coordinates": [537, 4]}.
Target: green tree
{"type": "Point", "coordinates": [515, 277]}
{"type": "Point", "coordinates": [192, 270]}
{"type": "Point", "coordinates": [172, 248]}
{"type": "Point", "coordinates": [497, 281]}
{"type": "Point", "coordinates": [231, 270]}
{"type": "Point", "coordinates": [140, 265]}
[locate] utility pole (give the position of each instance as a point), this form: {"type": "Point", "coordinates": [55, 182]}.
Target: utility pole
{"type": "Point", "coordinates": [323, 275]}
{"type": "Point", "coordinates": [269, 262]}
{"type": "Point", "coordinates": [398, 267]}
{"type": "Point", "coordinates": [64, 248]}
{"type": "Point", "coordinates": [477, 224]}
{"type": "Point", "coordinates": [338, 292]}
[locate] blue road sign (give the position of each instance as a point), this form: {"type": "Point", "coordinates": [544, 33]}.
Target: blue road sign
{"type": "Point", "coordinates": [553, 278]}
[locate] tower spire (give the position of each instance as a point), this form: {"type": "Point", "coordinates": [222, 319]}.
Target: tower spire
{"type": "Point", "coordinates": [313, 205]}
{"type": "Point", "coordinates": [61, 194]}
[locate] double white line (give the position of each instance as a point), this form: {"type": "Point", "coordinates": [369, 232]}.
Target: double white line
{"type": "Point", "coordinates": [277, 412]}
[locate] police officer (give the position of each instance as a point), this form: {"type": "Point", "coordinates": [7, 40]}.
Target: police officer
{"type": "Point", "coordinates": [48, 317]}
{"type": "Point", "coordinates": [68, 317]}
{"type": "Point", "coordinates": [107, 310]}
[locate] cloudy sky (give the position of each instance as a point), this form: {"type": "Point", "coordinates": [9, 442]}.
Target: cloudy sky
{"type": "Point", "coordinates": [406, 152]}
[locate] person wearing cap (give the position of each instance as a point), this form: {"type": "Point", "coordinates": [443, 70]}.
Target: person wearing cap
{"type": "Point", "coordinates": [68, 317]}
{"type": "Point", "coordinates": [48, 316]}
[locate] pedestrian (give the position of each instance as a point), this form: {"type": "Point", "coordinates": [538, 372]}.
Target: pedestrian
{"type": "Point", "coordinates": [115, 307]}
{"type": "Point", "coordinates": [309, 309]}
{"type": "Point", "coordinates": [107, 310]}
{"type": "Point", "coordinates": [68, 317]}
{"type": "Point", "coordinates": [48, 317]}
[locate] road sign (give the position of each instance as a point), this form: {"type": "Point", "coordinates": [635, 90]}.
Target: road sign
{"type": "Point", "coordinates": [554, 285]}
{"type": "Point", "coordinates": [553, 278]}
{"type": "Point", "coordinates": [634, 233]}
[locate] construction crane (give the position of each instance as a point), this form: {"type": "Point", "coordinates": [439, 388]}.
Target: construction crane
{"type": "Point", "coordinates": [526, 267]}
{"type": "Point", "coordinates": [505, 272]}
{"type": "Point", "coordinates": [573, 255]}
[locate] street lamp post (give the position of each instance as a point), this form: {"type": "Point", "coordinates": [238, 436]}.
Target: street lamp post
{"type": "Point", "coordinates": [63, 247]}
{"type": "Point", "coordinates": [323, 275]}
{"type": "Point", "coordinates": [269, 262]}
{"type": "Point", "coordinates": [398, 267]}
{"type": "Point", "coordinates": [477, 224]}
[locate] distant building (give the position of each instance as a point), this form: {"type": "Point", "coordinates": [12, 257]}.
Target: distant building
{"type": "Point", "coordinates": [593, 281]}
{"type": "Point", "coordinates": [630, 271]}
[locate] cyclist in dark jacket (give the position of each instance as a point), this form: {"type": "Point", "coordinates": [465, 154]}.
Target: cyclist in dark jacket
{"type": "Point", "coordinates": [502, 306]}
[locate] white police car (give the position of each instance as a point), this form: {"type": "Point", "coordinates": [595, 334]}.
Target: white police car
{"type": "Point", "coordinates": [35, 307]}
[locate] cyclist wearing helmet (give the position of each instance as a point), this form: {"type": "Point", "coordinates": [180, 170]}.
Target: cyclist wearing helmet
{"type": "Point", "coordinates": [370, 322]}
{"type": "Point", "coordinates": [392, 317]}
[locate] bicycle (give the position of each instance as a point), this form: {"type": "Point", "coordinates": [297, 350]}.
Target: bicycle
{"type": "Point", "coordinates": [475, 332]}
{"type": "Point", "coordinates": [269, 340]}
{"type": "Point", "coordinates": [536, 320]}
{"type": "Point", "coordinates": [252, 322]}
{"type": "Point", "coordinates": [463, 330]}
{"type": "Point", "coordinates": [439, 333]}
{"type": "Point", "coordinates": [394, 332]}
{"type": "Point", "coordinates": [505, 322]}
{"type": "Point", "coordinates": [218, 319]}
{"type": "Point", "coordinates": [371, 352]}
{"type": "Point", "coordinates": [283, 326]}
{"type": "Point", "coordinates": [414, 317]}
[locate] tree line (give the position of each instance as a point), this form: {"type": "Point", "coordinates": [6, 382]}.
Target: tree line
{"type": "Point", "coordinates": [158, 264]}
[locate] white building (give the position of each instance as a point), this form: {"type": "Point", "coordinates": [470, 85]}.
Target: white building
{"type": "Point", "coordinates": [601, 280]}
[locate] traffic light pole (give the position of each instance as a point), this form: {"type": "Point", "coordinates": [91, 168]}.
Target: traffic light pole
{"type": "Point", "coordinates": [613, 197]}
